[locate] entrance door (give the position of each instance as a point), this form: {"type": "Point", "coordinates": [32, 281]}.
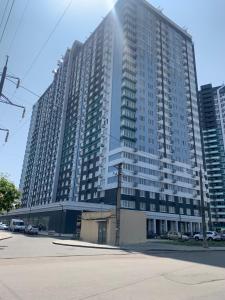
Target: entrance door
{"type": "Point", "coordinates": [102, 232]}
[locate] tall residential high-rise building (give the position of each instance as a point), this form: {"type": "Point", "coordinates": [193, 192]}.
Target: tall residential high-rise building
{"type": "Point", "coordinates": [212, 107]}
{"type": "Point", "coordinates": [127, 94]}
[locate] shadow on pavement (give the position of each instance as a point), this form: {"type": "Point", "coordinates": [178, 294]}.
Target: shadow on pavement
{"type": "Point", "coordinates": [210, 258]}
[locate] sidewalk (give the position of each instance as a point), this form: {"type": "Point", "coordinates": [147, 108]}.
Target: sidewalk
{"type": "Point", "coordinates": [5, 235]}
{"type": "Point", "coordinates": [81, 244]}
{"type": "Point", "coordinates": [154, 245]}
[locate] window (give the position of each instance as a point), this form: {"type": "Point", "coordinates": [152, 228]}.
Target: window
{"type": "Point", "coordinates": [170, 198]}
{"type": "Point", "coordinates": [142, 206]}
{"type": "Point", "coordinates": [152, 195]}
{"type": "Point", "coordinates": [83, 187]}
{"type": "Point", "coordinates": [188, 201]}
{"type": "Point", "coordinates": [196, 202]}
{"type": "Point", "coordinates": [162, 197]}
{"type": "Point", "coordinates": [171, 209]}
{"type": "Point", "coordinates": [82, 197]}
{"type": "Point", "coordinates": [128, 204]}
{"type": "Point", "coordinates": [181, 211]}
{"type": "Point", "coordinates": [89, 196]}
{"type": "Point", "coordinates": [142, 193]}
{"type": "Point", "coordinates": [95, 195]}
{"type": "Point", "coordinates": [162, 208]}
{"type": "Point", "coordinates": [128, 191]}
{"type": "Point", "coordinates": [102, 194]}
{"type": "Point", "coordinates": [196, 212]}
{"type": "Point", "coordinates": [180, 200]}
{"type": "Point", "coordinates": [152, 207]}
{"type": "Point", "coordinates": [188, 211]}
{"type": "Point", "coordinates": [89, 185]}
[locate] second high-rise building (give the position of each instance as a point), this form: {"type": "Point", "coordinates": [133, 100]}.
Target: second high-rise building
{"type": "Point", "coordinates": [128, 94]}
{"type": "Point", "coordinates": [212, 104]}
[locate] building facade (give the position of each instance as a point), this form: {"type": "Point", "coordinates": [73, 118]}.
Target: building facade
{"type": "Point", "coordinates": [212, 107]}
{"type": "Point", "coordinates": [127, 94]}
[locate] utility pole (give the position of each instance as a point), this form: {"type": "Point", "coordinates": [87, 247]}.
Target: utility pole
{"type": "Point", "coordinates": [4, 99]}
{"type": "Point", "coordinates": [205, 242]}
{"type": "Point", "coordinates": [118, 202]}
{"type": "Point", "coordinates": [61, 221]}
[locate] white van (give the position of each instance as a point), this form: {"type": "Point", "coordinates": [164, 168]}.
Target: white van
{"type": "Point", "coordinates": [17, 225]}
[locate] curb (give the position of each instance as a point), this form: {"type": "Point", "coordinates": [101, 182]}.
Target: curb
{"type": "Point", "coordinates": [6, 238]}
{"type": "Point", "coordinates": [139, 250]}
{"type": "Point", "coordinates": [83, 246]}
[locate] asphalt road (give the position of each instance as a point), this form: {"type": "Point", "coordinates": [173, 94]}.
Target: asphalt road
{"type": "Point", "coordinates": [33, 268]}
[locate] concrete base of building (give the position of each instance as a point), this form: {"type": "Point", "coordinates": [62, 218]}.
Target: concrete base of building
{"type": "Point", "coordinates": [65, 219]}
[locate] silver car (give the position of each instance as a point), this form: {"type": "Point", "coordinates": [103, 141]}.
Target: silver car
{"type": "Point", "coordinates": [31, 229]}
{"type": "Point", "coordinates": [177, 236]}
{"type": "Point", "coordinates": [4, 227]}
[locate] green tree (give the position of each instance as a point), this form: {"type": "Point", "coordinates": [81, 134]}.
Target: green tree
{"type": "Point", "coordinates": [9, 195]}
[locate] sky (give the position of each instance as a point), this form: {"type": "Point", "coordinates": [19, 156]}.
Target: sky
{"type": "Point", "coordinates": [24, 37]}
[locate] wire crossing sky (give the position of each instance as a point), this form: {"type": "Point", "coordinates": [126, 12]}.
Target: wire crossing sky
{"type": "Point", "coordinates": [32, 22]}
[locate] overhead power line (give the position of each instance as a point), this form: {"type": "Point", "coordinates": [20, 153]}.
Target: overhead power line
{"type": "Point", "coordinates": [18, 26]}
{"type": "Point", "coordinates": [6, 23]}
{"type": "Point", "coordinates": [26, 89]}
{"type": "Point", "coordinates": [3, 16]}
{"type": "Point", "coordinates": [47, 40]}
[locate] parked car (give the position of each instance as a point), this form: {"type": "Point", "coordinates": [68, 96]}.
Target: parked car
{"type": "Point", "coordinates": [164, 236]}
{"type": "Point", "coordinates": [211, 236]}
{"type": "Point", "coordinates": [17, 225]}
{"type": "Point", "coordinates": [189, 234]}
{"type": "Point", "coordinates": [151, 235]}
{"type": "Point", "coordinates": [172, 235]}
{"type": "Point", "coordinates": [4, 226]}
{"type": "Point", "coordinates": [31, 229]}
{"type": "Point", "coordinates": [222, 235]}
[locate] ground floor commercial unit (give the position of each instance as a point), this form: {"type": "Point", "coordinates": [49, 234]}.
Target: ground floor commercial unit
{"type": "Point", "coordinates": [160, 223]}
{"type": "Point", "coordinates": [66, 219]}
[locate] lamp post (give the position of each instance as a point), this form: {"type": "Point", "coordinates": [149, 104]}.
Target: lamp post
{"type": "Point", "coordinates": [205, 242]}
{"type": "Point", "coordinates": [180, 225]}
